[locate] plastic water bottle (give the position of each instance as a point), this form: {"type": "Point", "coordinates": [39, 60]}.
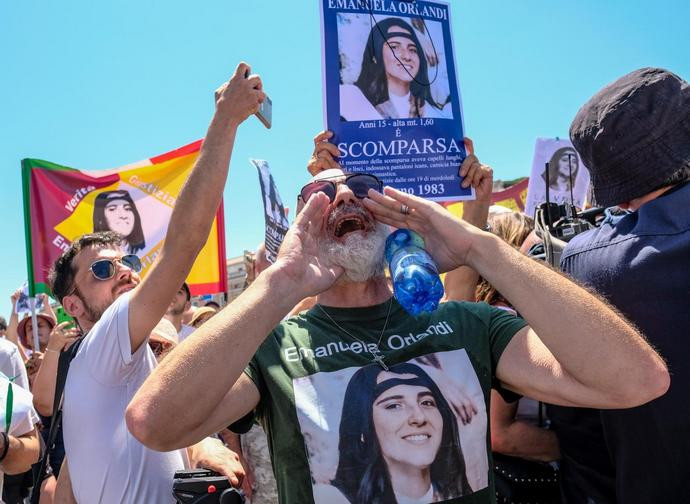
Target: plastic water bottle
{"type": "Point", "coordinates": [416, 283]}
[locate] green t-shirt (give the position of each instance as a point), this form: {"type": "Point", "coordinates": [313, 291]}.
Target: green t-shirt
{"type": "Point", "coordinates": [341, 429]}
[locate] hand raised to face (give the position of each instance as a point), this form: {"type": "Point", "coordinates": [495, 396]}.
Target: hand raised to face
{"type": "Point", "coordinates": [301, 253]}
{"type": "Point", "coordinates": [447, 239]}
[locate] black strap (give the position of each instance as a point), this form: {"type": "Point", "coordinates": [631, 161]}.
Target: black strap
{"type": "Point", "coordinates": [64, 362]}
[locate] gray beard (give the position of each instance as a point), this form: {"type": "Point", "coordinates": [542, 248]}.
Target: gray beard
{"type": "Point", "coordinates": [360, 256]}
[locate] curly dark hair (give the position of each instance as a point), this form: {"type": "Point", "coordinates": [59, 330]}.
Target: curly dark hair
{"type": "Point", "coordinates": [61, 276]}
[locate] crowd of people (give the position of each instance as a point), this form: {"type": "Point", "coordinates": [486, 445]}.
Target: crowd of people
{"type": "Point", "coordinates": [315, 385]}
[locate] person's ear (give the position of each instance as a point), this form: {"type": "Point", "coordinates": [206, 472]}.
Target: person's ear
{"type": "Point", "coordinates": [73, 306]}
{"type": "Point", "coordinates": [187, 305]}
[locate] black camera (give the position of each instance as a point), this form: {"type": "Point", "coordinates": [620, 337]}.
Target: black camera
{"type": "Point", "coordinates": [203, 486]}
{"type": "Point", "coordinates": [558, 224]}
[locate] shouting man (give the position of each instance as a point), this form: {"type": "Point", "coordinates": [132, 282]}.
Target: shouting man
{"type": "Point", "coordinates": [363, 402]}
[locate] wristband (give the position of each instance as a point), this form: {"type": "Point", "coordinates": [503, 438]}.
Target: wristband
{"type": "Point", "coordinates": [51, 350]}
{"type": "Point", "coordinates": [6, 441]}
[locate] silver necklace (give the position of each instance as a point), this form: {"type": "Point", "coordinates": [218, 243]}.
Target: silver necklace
{"type": "Point", "coordinates": [376, 354]}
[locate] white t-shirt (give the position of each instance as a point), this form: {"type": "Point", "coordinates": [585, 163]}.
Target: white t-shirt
{"type": "Point", "coordinates": [184, 331]}
{"type": "Point", "coordinates": [401, 104]}
{"type": "Point", "coordinates": [24, 417]}
{"type": "Point", "coordinates": [106, 463]}
{"type": "Point", "coordinates": [12, 364]}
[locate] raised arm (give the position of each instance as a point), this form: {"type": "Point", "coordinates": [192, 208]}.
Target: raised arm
{"type": "Point", "coordinates": [45, 307]}
{"type": "Point", "coordinates": [196, 205]}
{"type": "Point", "coordinates": [61, 337]}
{"type": "Point", "coordinates": [12, 334]}
{"type": "Point", "coordinates": [206, 370]}
{"type": "Point", "coordinates": [585, 353]}
{"type": "Point", "coordinates": [460, 284]}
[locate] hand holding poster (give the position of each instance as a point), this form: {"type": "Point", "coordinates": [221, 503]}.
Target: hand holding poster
{"type": "Point", "coordinates": [391, 95]}
{"type": "Point", "coordinates": [567, 179]}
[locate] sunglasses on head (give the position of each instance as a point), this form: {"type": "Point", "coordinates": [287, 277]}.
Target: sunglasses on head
{"type": "Point", "coordinates": [104, 269]}
{"type": "Point", "coordinates": [359, 184]}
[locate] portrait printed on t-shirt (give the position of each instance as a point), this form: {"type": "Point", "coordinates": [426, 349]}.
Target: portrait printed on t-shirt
{"type": "Point", "coordinates": [414, 433]}
{"type": "Point", "coordinates": [391, 67]}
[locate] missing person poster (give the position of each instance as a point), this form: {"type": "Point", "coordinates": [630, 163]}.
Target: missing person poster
{"type": "Point", "coordinates": [274, 212]}
{"type": "Point", "coordinates": [567, 179]}
{"type": "Point", "coordinates": [391, 95]}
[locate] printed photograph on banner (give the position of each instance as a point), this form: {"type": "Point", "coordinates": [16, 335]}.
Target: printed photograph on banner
{"type": "Point", "coordinates": [366, 429]}
{"type": "Point", "coordinates": [275, 215]}
{"type": "Point", "coordinates": [567, 178]}
{"type": "Point", "coordinates": [391, 94]}
{"type": "Point", "coordinates": [127, 208]}
{"type": "Point", "coordinates": [135, 201]}
{"type": "Point", "coordinates": [140, 219]}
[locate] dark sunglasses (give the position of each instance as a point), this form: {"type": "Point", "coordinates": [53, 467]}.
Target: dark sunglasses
{"type": "Point", "coordinates": [104, 269]}
{"type": "Point", "coordinates": [359, 184]}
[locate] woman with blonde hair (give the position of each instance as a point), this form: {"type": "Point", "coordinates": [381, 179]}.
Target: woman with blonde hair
{"type": "Point", "coordinates": [513, 228]}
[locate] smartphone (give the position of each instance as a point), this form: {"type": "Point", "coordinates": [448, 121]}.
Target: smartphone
{"type": "Point", "coordinates": [265, 112]}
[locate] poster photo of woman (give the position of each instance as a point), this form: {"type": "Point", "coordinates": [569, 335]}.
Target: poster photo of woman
{"type": "Point", "coordinates": [116, 211]}
{"type": "Point", "coordinates": [563, 168]}
{"type": "Point", "coordinates": [394, 435]}
{"type": "Point", "coordinates": [567, 177]}
{"type": "Point", "coordinates": [391, 68]}
{"type": "Point", "coordinates": [141, 218]}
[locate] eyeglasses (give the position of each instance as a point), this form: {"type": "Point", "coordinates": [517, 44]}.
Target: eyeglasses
{"type": "Point", "coordinates": [359, 184]}
{"type": "Point", "coordinates": [104, 269]}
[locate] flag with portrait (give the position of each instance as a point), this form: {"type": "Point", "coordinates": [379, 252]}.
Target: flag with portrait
{"type": "Point", "coordinates": [136, 200]}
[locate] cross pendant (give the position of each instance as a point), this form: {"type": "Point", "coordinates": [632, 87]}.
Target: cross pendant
{"type": "Point", "coordinates": [378, 358]}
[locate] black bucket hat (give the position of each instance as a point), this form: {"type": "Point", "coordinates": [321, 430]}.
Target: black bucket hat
{"type": "Point", "coordinates": [634, 134]}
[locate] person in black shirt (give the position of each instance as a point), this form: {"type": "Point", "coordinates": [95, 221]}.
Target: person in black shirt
{"type": "Point", "coordinates": [634, 136]}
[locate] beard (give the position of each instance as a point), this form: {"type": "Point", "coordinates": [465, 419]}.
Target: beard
{"type": "Point", "coordinates": [175, 311]}
{"type": "Point", "coordinates": [360, 255]}
{"type": "Point", "coordinates": [94, 312]}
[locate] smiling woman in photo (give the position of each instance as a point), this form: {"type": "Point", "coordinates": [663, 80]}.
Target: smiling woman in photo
{"type": "Point", "coordinates": [399, 440]}
{"type": "Point", "coordinates": [394, 79]}
{"type": "Point", "coordinates": [116, 211]}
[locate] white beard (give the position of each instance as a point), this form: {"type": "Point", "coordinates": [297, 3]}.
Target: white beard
{"type": "Point", "coordinates": [360, 256]}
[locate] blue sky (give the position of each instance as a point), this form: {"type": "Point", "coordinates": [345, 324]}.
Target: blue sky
{"type": "Point", "coordinates": [101, 84]}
